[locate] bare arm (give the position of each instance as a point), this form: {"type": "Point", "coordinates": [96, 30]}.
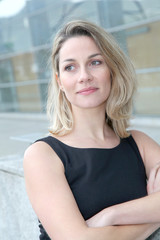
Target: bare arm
{"type": "Point", "coordinates": [56, 207]}
{"type": "Point", "coordinates": [147, 209]}
{"type": "Point", "coordinates": [140, 211]}
{"type": "Point", "coordinates": [143, 210]}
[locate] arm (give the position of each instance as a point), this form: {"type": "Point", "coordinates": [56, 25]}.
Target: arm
{"type": "Point", "coordinates": [147, 209]}
{"type": "Point", "coordinates": [139, 211]}
{"type": "Point", "coordinates": [143, 210]}
{"type": "Point", "coordinates": [56, 207]}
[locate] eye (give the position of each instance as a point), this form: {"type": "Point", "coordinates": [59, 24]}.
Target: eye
{"type": "Point", "coordinates": [96, 62]}
{"type": "Point", "coordinates": [69, 68]}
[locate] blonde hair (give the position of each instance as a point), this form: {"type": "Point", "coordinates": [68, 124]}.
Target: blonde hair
{"type": "Point", "coordinates": [119, 102]}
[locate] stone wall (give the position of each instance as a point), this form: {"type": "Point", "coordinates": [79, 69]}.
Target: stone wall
{"type": "Point", "coordinates": [17, 219]}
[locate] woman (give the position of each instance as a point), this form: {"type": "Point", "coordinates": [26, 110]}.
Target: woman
{"type": "Point", "coordinates": [87, 179]}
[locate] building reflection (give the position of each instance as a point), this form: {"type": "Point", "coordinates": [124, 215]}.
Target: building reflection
{"type": "Point", "coordinates": [26, 42]}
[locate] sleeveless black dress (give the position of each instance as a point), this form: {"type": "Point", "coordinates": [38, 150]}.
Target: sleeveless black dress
{"type": "Point", "coordinates": [100, 177]}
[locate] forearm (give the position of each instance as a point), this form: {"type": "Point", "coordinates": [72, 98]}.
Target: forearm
{"type": "Point", "coordinates": [131, 232]}
{"type": "Point", "coordinates": [139, 211]}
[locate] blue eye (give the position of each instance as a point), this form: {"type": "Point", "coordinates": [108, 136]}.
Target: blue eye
{"type": "Point", "coordinates": [69, 68]}
{"type": "Point", "coordinates": [96, 62]}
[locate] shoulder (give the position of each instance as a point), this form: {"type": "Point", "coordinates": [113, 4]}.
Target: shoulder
{"type": "Point", "coordinates": [142, 139]}
{"type": "Point", "coordinates": [38, 149]}
{"type": "Point", "coordinates": [49, 192]}
{"type": "Point", "coordinates": [40, 155]}
{"type": "Point", "coordinates": [138, 135]}
{"type": "Point", "coordinates": [149, 149]}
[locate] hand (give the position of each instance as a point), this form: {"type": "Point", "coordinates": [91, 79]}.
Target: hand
{"type": "Point", "coordinates": [153, 184]}
{"type": "Point", "coordinates": [101, 219]}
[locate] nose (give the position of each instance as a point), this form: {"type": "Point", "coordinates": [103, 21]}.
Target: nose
{"type": "Point", "coordinates": [85, 75]}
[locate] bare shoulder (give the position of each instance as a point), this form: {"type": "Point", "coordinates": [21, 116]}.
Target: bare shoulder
{"type": "Point", "coordinates": [142, 139]}
{"type": "Point", "coordinates": [40, 155]}
{"type": "Point", "coordinates": [149, 149]}
{"type": "Point", "coordinates": [38, 148]}
{"type": "Point", "coordinates": [138, 134]}
{"type": "Point", "coordinates": [50, 194]}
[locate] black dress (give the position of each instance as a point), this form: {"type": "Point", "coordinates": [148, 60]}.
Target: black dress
{"type": "Point", "coordinates": [101, 177]}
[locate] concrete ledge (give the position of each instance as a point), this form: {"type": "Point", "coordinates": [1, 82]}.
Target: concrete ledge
{"type": "Point", "coordinates": [29, 116]}
{"type": "Point", "coordinates": [17, 218]}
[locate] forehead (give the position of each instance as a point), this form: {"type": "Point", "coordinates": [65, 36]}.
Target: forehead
{"type": "Point", "coordinates": [78, 46]}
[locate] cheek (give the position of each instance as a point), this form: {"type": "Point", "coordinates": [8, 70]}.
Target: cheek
{"type": "Point", "coordinates": [106, 78]}
{"type": "Point", "coordinates": [68, 86]}
{"type": "Point", "coordinates": [107, 83]}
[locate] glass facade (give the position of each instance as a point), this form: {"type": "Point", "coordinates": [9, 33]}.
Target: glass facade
{"type": "Point", "coordinates": [26, 42]}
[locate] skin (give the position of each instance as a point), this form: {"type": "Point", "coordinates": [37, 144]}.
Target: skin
{"type": "Point", "coordinates": [46, 184]}
{"type": "Point", "coordinates": [78, 70]}
{"type": "Point", "coordinates": [143, 210]}
{"type": "Point", "coordinates": [82, 67]}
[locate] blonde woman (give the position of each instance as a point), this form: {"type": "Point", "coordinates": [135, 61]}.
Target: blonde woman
{"type": "Point", "coordinates": [87, 179]}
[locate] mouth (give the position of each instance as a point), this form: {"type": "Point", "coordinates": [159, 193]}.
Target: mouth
{"type": "Point", "coordinates": [86, 91]}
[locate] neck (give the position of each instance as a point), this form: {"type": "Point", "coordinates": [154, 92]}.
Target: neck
{"type": "Point", "coordinates": [90, 123]}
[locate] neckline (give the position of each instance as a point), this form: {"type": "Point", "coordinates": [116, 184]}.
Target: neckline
{"type": "Point", "coordinates": [91, 148]}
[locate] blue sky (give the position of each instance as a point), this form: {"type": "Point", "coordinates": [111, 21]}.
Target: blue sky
{"type": "Point", "coordinates": [10, 7]}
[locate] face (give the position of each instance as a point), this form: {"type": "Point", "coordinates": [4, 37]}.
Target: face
{"type": "Point", "coordinates": [83, 73]}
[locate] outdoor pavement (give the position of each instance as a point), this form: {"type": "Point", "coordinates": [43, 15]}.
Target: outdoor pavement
{"type": "Point", "coordinates": [18, 131]}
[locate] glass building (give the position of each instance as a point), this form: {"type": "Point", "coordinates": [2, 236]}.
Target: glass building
{"type": "Point", "coordinates": [26, 42]}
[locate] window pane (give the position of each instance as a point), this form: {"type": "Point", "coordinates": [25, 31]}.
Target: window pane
{"type": "Point", "coordinates": [26, 41]}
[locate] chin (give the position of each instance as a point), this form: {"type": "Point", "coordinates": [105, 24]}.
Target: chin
{"type": "Point", "coordinates": [90, 105]}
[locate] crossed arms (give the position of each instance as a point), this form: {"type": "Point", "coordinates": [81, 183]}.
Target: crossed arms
{"type": "Point", "coordinates": [58, 212]}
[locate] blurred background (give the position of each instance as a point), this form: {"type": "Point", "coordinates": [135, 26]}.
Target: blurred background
{"type": "Point", "coordinates": [27, 29]}
{"type": "Point", "coordinates": [26, 36]}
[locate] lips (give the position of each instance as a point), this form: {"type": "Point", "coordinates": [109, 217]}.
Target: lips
{"type": "Point", "coordinates": [85, 90]}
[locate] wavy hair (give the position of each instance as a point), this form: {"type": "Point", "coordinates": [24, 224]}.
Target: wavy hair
{"type": "Point", "coordinates": [119, 102]}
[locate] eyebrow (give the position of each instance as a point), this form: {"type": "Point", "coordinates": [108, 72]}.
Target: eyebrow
{"type": "Point", "coordinates": [89, 57]}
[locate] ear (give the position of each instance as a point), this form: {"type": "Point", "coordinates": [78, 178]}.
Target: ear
{"type": "Point", "coordinates": [58, 81]}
